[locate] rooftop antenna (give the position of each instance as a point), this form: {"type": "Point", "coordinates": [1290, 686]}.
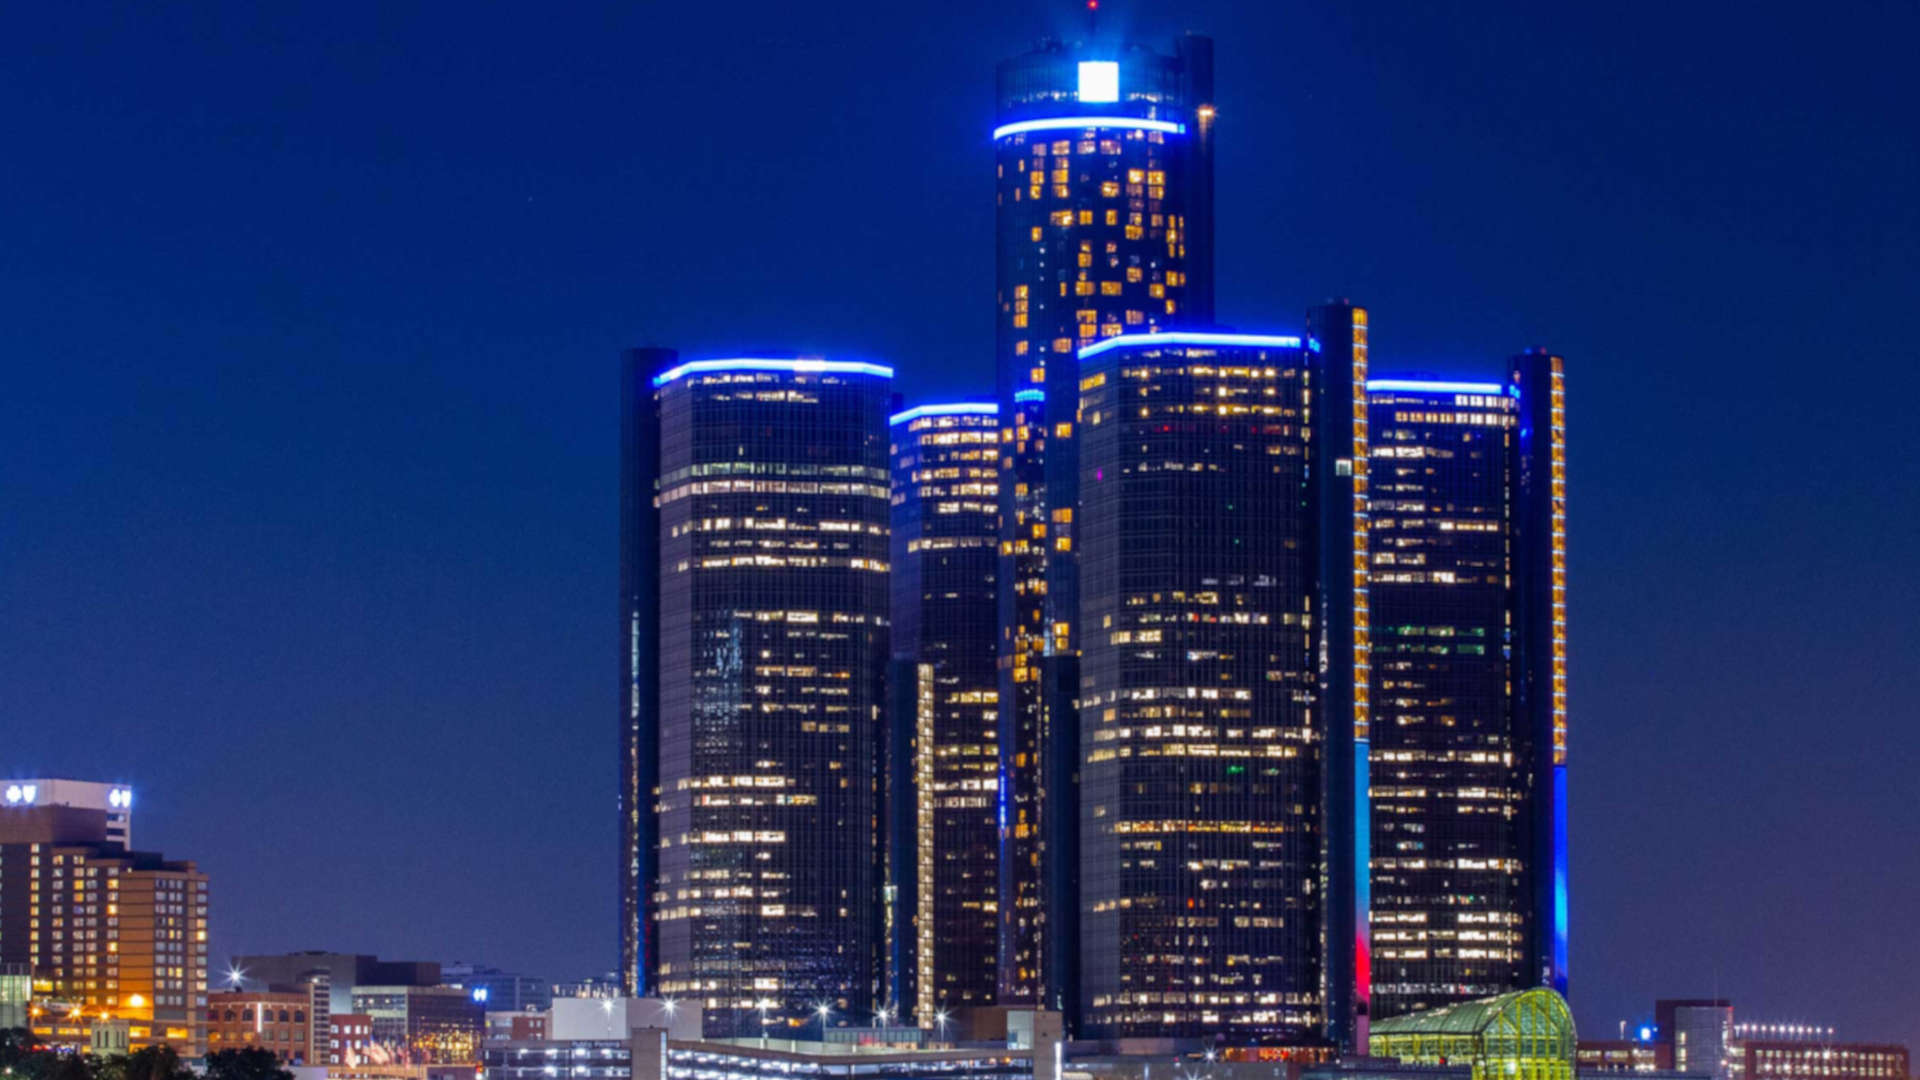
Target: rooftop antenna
{"type": "Point", "coordinates": [1093, 19]}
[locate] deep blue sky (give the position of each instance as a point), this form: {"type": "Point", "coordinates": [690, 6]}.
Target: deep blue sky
{"type": "Point", "coordinates": [307, 436]}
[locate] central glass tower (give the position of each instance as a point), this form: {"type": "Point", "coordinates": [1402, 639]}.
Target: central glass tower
{"type": "Point", "coordinates": [1104, 188]}
{"type": "Point", "coordinates": [1200, 815]}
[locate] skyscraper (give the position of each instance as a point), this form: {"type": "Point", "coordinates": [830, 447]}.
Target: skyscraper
{"type": "Point", "coordinates": [1202, 780]}
{"type": "Point", "coordinates": [1339, 536]}
{"type": "Point", "coordinates": [755, 593]}
{"type": "Point", "coordinates": [111, 934]}
{"type": "Point", "coordinates": [1538, 378]}
{"type": "Point", "coordinates": [946, 854]}
{"type": "Point", "coordinates": [1468, 749]}
{"type": "Point", "coordinates": [1104, 182]}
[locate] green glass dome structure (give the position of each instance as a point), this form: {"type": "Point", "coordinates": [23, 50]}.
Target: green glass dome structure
{"type": "Point", "coordinates": [1523, 1035]}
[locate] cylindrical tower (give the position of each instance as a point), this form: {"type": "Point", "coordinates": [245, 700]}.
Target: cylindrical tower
{"type": "Point", "coordinates": [1102, 180]}
{"type": "Point", "coordinates": [1199, 800]}
{"type": "Point", "coordinates": [946, 848]}
{"type": "Point", "coordinates": [771, 538]}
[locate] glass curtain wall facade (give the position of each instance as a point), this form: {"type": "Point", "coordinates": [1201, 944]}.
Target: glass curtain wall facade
{"type": "Point", "coordinates": [1104, 189]}
{"type": "Point", "coordinates": [945, 535]}
{"type": "Point", "coordinates": [769, 538]}
{"type": "Point", "coordinates": [1448, 790]}
{"type": "Point", "coordinates": [1466, 779]}
{"type": "Point", "coordinates": [1200, 787]}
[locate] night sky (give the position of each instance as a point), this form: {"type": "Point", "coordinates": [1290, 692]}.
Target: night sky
{"type": "Point", "coordinates": [307, 440]}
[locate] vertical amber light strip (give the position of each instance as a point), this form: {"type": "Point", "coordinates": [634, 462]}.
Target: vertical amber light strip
{"type": "Point", "coordinates": [1362, 639]}
{"type": "Point", "coordinates": [1559, 451]}
{"type": "Point", "coordinates": [1557, 537]}
{"type": "Point", "coordinates": [926, 977]}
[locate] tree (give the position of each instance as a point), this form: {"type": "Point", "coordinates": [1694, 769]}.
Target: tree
{"type": "Point", "coordinates": [24, 1057]}
{"type": "Point", "coordinates": [246, 1063]}
{"type": "Point", "coordinates": [154, 1063]}
{"type": "Point", "coordinates": [16, 1045]}
{"type": "Point", "coordinates": [69, 1066]}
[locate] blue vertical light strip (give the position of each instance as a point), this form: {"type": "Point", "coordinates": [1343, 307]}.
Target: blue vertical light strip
{"type": "Point", "coordinates": [1560, 902]}
{"type": "Point", "coordinates": [1362, 879]}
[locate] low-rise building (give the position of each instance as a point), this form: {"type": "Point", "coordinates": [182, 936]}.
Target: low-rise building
{"type": "Point", "coordinates": [1700, 1035]}
{"type": "Point", "coordinates": [1818, 1059]}
{"type": "Point", "coordinates": [349, 1039]}
{"type": "Point", "coordinates": [504, 991]}
{"type": "Point", "coordinates": [613, 1018]}
{"type": "Point", "coordinates": [520, 1026]}
{"type": "Point", "coordinates": [1619, 1055]}
{"type": "Point", "coordinates": [746, 1059]}
{"type": "Point", "coordinates": [283, 1021]}
{"type": "Point", "coordinates": [423, 1025]}
{"type": "Point", "coordinates": [662, 1041]}
{"type": "Point", "coordinates": [343, 972]}
{"type": "Point", "coordinates": [593, 986]}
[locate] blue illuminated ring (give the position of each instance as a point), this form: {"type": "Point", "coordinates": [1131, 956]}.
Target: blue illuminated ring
{"type": "Point", "coordinates": [1177, 337]}
{"type": "Point", "coordinates": [1427, 386]}
{"type": "Point", "coordinates": [1081, 123]}
{"type": "Point", "coordinates": [800, 365]}
{"type": "Point", "coordinates": [986, 408]}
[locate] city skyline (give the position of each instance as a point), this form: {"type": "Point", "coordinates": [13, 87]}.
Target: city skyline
{"type": "Point", "coordinates": [376, 617]}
